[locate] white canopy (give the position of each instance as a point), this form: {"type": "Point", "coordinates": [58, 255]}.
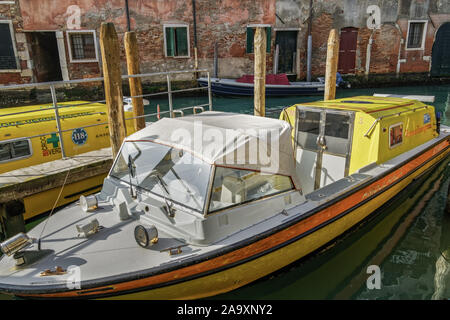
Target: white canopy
{"type": "Point", "coordinates": [228, 139]}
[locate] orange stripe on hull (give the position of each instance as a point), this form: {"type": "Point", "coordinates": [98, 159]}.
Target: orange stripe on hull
{"type": "Point", "coordinates": [262, 245]}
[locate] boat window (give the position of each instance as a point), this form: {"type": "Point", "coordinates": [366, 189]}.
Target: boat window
{"type": "Point", "coordinates": [336, 125]}
{"type": "Point", "coordinates": [167, 172]}
{"type": "Point", "coordinates": [233, 186]}
{"type": "Point", "coordinates": [395, 135]}
{"type": "Point", "coordinates": [14, 150]}
{"type": "Point", "coordinates": [308, 129]}
{"type": "Point", "coordinates": [337, 133]}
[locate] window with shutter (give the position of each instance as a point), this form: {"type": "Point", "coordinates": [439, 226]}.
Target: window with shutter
{"type": "Point", "coordinates": [8, 59]}
{"type": "Point", "coordinates": [251, 35]}
{"type": "Point", "coordinates": [176, 41]}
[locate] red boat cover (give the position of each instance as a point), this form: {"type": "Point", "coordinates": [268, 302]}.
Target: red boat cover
{"type": "Point", "coordinates": [270, 79]}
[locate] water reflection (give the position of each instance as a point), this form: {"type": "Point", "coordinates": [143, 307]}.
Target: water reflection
{"type": "Point", "coordinates": [442, 275]}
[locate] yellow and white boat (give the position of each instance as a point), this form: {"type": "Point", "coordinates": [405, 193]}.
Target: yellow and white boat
{"type": "Point", "coordinates": [201, 205]}
{"type": "Point", "coordinates": [29, 137]}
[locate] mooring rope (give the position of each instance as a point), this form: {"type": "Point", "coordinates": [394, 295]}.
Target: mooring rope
{"type": "Point", "coordinates": [54, 206]}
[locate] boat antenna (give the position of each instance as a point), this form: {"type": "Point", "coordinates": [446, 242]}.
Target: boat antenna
{"type": "Point", "coordinates": [53, 209]}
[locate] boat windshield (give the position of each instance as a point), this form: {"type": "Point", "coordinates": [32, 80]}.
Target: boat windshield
{"type": "Point", "coordinates": [168, 172]}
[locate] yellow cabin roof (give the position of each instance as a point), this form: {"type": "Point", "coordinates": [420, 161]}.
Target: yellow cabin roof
{"type": "Point", "coordinates": [374, 106]}
{"type": "Point", "coordinates": [46, 112]}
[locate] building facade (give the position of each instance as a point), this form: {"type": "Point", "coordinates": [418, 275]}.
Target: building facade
{"type": "Point", "coordinates": [51, 40]}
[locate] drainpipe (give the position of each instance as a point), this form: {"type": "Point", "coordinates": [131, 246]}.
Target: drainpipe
{"type": "Point", "coordinates": [368, 55]}
{"type": "Point", "coordinates": [397, 71]}
{"type": "Point", "coordinates": [309, 50]}
{"type": "Point", "coordinates": [195, 35]}
{"type": "Point", "coordinates": [127, 10]}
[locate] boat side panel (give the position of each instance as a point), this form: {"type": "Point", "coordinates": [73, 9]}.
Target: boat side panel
{"type": "Point", "coordinates": [364, 148]}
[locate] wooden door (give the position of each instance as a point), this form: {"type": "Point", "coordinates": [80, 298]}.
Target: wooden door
{"type": "Point", "coordinates": [287, 43]}
{"type": "Point", "coordinates": [440, 59]}
{"type": "Point", "coordinates": [347, 50]}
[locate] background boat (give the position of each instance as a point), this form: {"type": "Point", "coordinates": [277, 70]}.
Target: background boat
{"type": "Point", "coordinates": [276, 85]}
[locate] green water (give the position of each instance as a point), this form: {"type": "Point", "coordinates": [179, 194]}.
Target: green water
{"type": "Point", "coordinates": [245, 104]}
{"type": "Point", "coordinates": [405, 239]}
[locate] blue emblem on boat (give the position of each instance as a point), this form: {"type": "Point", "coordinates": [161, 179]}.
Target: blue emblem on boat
{"type": "Point", "coordinates": [426, 118]}
{"type": "Point", "coordinates": [79, 136]}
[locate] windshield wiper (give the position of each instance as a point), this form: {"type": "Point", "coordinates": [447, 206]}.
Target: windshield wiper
{"type": "Point", "coordinates": [162, 185]}
{"type": "Point", "coordinates": [132, 174]}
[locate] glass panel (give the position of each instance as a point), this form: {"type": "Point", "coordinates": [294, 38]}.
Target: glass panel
{"type": "Point", "coordinates": [77, 46]}
{"type": "Point", "coordinates": [88, 46]}
{"type": "Point", "coordinates": [181, 37]}
{"type": "Point", "coordinates": [21, 148]}
{"type": "Point", "coordinates": [7, 58]}
{"type": "Point", "coordinates": [165, 171]}
{"type": "Point", "coordinates": [337, 125]}
{"type": "Point", "coordinates": [336, 133]}
{"type": "Point", "coordinates": [5, 151]}
{"type": "Point", "coordinates": [309, 122]}
{"type": "Point", "coordinates": [308, 129]}
{"type": "Point", "coordinates": [233, 186]}
{"type": "Point", "coordinates": [395, 135]}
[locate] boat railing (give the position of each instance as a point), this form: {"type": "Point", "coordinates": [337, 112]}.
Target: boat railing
{"type": "Point", "coordinates": [395, 114]}
{"type": "Point", "coordinates": [53, 85]}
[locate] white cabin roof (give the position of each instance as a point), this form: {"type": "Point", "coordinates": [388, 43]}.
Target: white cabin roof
{"type": "Point", "coordinates": [228, 139]}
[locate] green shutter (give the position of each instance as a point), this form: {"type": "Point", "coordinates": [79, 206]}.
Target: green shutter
{"type": "Point", "coordinates": [249, 40]}
{"type": "Point", "coordinates": [182, 41]}
{"type": "Point", "coordinates": [170, 42]}
{"type": "Point", "coordinates": [269, 38]}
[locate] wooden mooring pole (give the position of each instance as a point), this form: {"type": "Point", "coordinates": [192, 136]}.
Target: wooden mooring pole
{"type": "Point", "coordinates": [12, 220]}
{"type": "Point", "coordinates": [132, 53]}
{"type": "Point", "coordinates": [112, 75]}
{"type": "Point", "coordinates": [260, 72]}
{"type": "Point", "coordinates": [332, 65]}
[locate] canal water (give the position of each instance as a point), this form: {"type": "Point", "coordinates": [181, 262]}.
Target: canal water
{"type": "Point", "coordinates": [408, 239]}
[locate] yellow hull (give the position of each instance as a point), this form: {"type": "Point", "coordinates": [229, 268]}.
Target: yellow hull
{"type": "Point", "coordinates": [248, 272]}
{"type": "Point", "coordinates": [45, 201]}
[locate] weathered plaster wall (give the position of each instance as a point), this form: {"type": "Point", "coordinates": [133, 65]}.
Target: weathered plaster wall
{"type": "Point", "coordinates": [353, 13]}
{"type": "Point", "coordinates": [218, 21]}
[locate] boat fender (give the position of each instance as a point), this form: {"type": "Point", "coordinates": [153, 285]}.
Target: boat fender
{"type": "Point", "coordinates": [89, 203]}
{"type": "Point", "coordinates": [89, 228]}
{"type": "Point", "coordinates": [146, 236]}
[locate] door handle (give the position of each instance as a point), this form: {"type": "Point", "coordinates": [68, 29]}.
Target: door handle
{"type": "Point", "coordinates": [321, 142]}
